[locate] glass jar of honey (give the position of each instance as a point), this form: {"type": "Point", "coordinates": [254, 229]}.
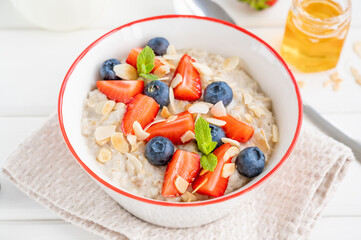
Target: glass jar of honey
{"type": "Point", "coordinates": [315, 32]}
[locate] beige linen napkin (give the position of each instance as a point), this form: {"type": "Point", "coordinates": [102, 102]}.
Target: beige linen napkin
{"type": "Point", "coordinates": [285, 207]}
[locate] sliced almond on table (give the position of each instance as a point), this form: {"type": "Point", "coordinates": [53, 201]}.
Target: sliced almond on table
{"type": "Point", "coordinates": [154, 122]}
{"type": "Point", "coordinates": [103, 132]}
{"type": "Point", "coordinates": [248, 117]}
{"type": "Point", "coordinates": [161, 71]}
{"type": "Point", "coordinates": [203, 69]}
{"type": "Point", "coordinates": [132, 139]}
{"type": "Point", "coordinates": [326, 83]}
{"type": "Point", "coordinates": [171, 50]}
{"type": "Point", "coordinates": [199, 107]}
{"type": "Point", "coordinates": [247, 98]}
{"type": "Point", "coordinates": [204, 171]}
{"type": "Point", "coordinates": [356, 75]}
{"type": "Point", "coordinates": [257, 110]}
{"type": "Point", "coordinates": [126, 71]}
{"type": "Point", "coordinates": [172, 118]}
{"type": "Point", "coordinates": [187, 136]}
{"type": "Point", "coordinates": [108, 107]}
{"type": "Point", "coordinates": [228, 169]}
{"type": "Point", "coordinates": [301, 83]}
{"type": "Point", "coordinates": [231, 152]}
{"type": "Point", "coordinates": [357, 48]}
{"type": "Point", "coordinates": [274, 133]}
{"type": "Point", "coordinates": [216, 122]}
{"type": "Point", "coordinates": [230, 63]}
{"type": "Point", "coordinates": [102, 142]}
{"type": "Point", "coordinates": [189, 197]}
{"type": "Point", "coordinates": [176, 80]}
{"type": "Point", "coordinates": [231, 141]}
{"type": "Point", "coordinates": [181, 184]}
{"type": "Point", "coordinates": [138, 165]}
{"type": "Point", "coordinates": [104, 155]}
{"type": "Point", "coordinates": [218, 110]}
{"type": "Point", "coordinates": [139, 132]}
{"type": "Point", "coordinates": [119, 143]}
{"type": "Point", "coordinates": [200, 185]}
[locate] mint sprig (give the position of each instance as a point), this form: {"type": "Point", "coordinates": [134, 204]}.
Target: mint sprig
{"type": "Point", "coordinates": [205, 144]}
{"type": "Point", "coordinates": [145, 63]}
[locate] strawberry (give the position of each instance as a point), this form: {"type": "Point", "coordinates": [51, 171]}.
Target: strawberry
{"type": "Point", "coordinates": [215, 184]}
{"type": "Point", "coordinates": [142, 109]}
{"type": "Point", "coordinates": [236, 129]}
{"type": "Point", "coordinates": [190, 87]}
{"type": "Point", "coordinates": [133, 55]}
{"type": "Point", "coordinates": [184, 164]}
{"type": "Point", "coordinates": [120, 91]}
{"type": "Point", "coordinates": [260, 4]}
{"type": "Point", "coordinates": [172, 130]}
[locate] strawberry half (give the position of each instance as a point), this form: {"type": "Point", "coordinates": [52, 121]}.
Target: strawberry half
{"type": "Point", "coordinates": [236, 129]}
{"type": "Point", "coordinates": [142, 109]}
{"type": "Point", "coordinates": [133, 55]}
{"type": "Point", "coordinates": [173, 130]}
{"type": "Point", "coordinates": [120, 90]}
{"type": "Point", "coordinates": [184, 164]}
{"type": "Point", "coordinates": [215, 185]}
{"type": "Point", "coordinates": [190, 87]}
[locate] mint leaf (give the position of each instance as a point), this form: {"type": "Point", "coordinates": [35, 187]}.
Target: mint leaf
{"type": "Point", "coordinates": [209, 162]}
{"type": "Point", "coordinates": [203, 136]}
{"type": "Point", "coordinates": [149, 76]}
{"type": "Point", "coordinates": [145, 61]}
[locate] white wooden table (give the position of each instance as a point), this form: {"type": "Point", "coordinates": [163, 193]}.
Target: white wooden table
{"type": "Point", "coordinates": [33, 63]}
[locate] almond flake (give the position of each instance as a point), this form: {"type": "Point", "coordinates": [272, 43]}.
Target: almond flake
{"type": "Point", "coordinates": [357, 48]}
{"type": "Point", "coordinates": [154, 122]}
{"type": "Point", "coordinates": [203, 69]}
{"type": "Point", "coordinates": [356, 75]}
{"type": "Point", "coordinates": [171, 50]}
{"type": "Point", "coordinates": [139, 132]}
{"type": "Point", "coordinates": [172, 101]}
{"type": "Point", "coordinates": [187, 136]}
{"type": "Point", "coordinates": [204, 171]}
{"type": "Point", "coordinates": [248, 117]}
{"type": "Point", "coordinates": [133, 142]}
{"type": "Point", "coordinates": [99, 107]}
{"type": "Point", "coordinates": [126, 71]}
{"type": "Point", "coordinates": [231, 152]}
{"type": "Point", "coordinates": [102, 142]}
{"type": "Point", "coordinates": [119, 105]}
{"type": "Point", "coordinates": [186, 107]}
{"type": "Point", "coordinates": [216, 122]}
{"type": "Point", "coordinates": [161, 71]}
{"type": "Point", "coordinates": [336, 86]}
{"type": "Point", "coordinates": [231, 141]}
{"type": "Point", "coordinates": [228, 169]}
{"type": "Point", "coordinates": [189, 197]}
{"type": "Point", "coordinates": [165, 112]}
{"type": "Point", "coordinates": [199, 107]}
{"type": "Point", "coordinates": [274, 133]}
{"type": "Point", "coordinates": [247, 98]}
{"type": "Point", "coordinates": [172, 56]}
{"type": "Point", "coordinates": [181, 184]}
{"type": "Point", "coordinates": [119, 143]}
{"type": "Point", "coordinates": [176, 80]}
{"type": "Point", "coordinates": [230, 63]}
{"type": "Point", "coordinates": [172, 118]}
{"type": "Point", "coordinates": [257, 110]}
{"type": "Point", "coordinates": [104, 155]}
{"type": "Point", "coordinates": [326, 83]}
{"type": "Point", "coordinates": [138, 166]}
{"type": "Point", "coordinates": [108, 107]}
{"type": "Point", "coordinates": [200, 185]}
{"type": "Point", "coordinates": [301, 83]}
{"type": "Point", "coordinates": [265, 139]}
{"type": "Point", "coordinates": [103, 132]}
{"type": "Point", "coordinates": [218, 110]}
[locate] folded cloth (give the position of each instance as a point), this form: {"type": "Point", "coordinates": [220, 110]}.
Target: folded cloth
{"type": "Point", "coordinates": [286, 206]}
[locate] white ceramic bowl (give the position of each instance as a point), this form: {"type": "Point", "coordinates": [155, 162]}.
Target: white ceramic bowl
{"type": "Point", "coordinates": [261, 62]}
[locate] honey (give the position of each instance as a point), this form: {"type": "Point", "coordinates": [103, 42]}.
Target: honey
{"type": "Point", "coordinates": [315, 32]}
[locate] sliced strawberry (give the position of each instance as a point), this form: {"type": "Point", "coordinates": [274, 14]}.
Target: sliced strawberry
{"type": "Point", "coordinates": [190, 87]}
{"type": "Point", "coordinates": [184, 164]}
{"type": "Point", "coordinates": [215, 185]}
{"type": "Point", "coordinates": [133, 55]}
{"type": "Point", "coordinates": [120, 90]}
{"type": "Point", "coordinates": [142, 109]}
{"type": "Point", "coordinates": [173, 130]}
{"type": "Point", "coordinates": [236, 129]}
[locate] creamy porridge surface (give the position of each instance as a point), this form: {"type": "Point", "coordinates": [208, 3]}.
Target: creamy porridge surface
{"type": "Point", "coordinates": [132, 171]}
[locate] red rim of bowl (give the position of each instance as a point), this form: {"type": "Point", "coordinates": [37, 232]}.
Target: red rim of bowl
{"type": "Point", "coordinates": [179, 204]}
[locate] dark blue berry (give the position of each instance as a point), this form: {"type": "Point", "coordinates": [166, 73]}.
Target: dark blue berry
{"type": "Point", "coordinates": [159, 91]}
{"type": "Point", "coordinates": [106, 70]}
{"type": "Point", "coordinates": [159, 45]}
{"type": "Point", "coordinates": [217, 134]}
{"type": "Point", "coordinates": [218, 91]}
{"type": "Point", "coordinates": [250, 162]}
{"type": "Point", "coordinates": [159, 151]}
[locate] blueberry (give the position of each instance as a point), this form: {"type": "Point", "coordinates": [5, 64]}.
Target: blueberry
{"type": "Point", "coordinates": [217, 134]}
{"type": "Point", "coordinates": [159, 151]}
{"type": "Point", "coordinates": [159, 45]}
{"type": "Point", "coordinates": [159, 91]}
{"type": "Point", "coordinates": [106, 70]}
{"type": "Point", "coordinates": [218, 91]}
{"type": "Point", "coordinates": [250, 162]}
